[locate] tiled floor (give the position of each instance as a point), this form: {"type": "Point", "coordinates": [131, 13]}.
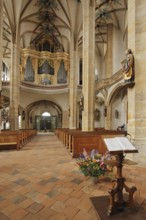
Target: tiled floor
{"type": "Point", "coordinates": [42, 181]}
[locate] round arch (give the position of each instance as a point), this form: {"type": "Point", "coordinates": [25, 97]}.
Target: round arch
{"type": "Point", "coordinates": [115, 90]}
{"type": "Point", "coordinates": [36, 118]}
{"type": "Point", "coordinates": [118, 106]}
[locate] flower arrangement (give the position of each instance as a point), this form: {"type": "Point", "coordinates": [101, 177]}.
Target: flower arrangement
{"type": "Point", "coordinates": [94, 164]}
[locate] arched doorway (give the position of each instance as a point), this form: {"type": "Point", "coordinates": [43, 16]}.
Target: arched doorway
{"type": "Point", "coordinates": [45, 121]}
{"type": "Point", "coordinates": [44, 115]}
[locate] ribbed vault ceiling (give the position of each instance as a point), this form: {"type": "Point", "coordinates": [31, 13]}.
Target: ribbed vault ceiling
{"type": "Point", "coordinates": [25, 22]}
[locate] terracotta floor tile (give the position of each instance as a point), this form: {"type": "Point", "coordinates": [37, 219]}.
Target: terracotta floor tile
{"type": "Point", "coordinates": [9, 209]}
{"type": "Point", "coordinates": [30, 216]}
{"type": "Point", "coordinates": [35, 208]}
{"type": "Point", "coordinates": [70, 211]}
{"type": "Point", "coordinates": [72, 202]}
{"type": "Point", "coordinates": [58, 206]}
{"type": "Point", "coordinates": [48, 202]}
{"type": "Point", "coordinates": [18, 214]}
{"type": "Point", "coordinates": [4, 204]}
{"type": "Point", "coordinates": [85, 216]}
{"type": "Point", "coordinates": [58, 216]}
{"type": "Point", "coordinates": [62, 197]}
{"type": "Point", "coordinates": [85, 205]}
{"type": "Point", "coordinates": [26, 203]}
{"type": "Point", "coordinates": [42, 182]}
{"type": "Point", "coordinates": [4, 217]}
{"type": "Point", "coordinates": [46, 213]}
{"type": "Point", "coordinates": [40, 198]}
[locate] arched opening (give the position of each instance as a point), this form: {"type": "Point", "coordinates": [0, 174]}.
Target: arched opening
{"type": "Point", "coordinates": [119, 108]}
{"type": "Point", "coordinates": [45, 122]}
{"type": "Point", "coordinates": [44, 115]}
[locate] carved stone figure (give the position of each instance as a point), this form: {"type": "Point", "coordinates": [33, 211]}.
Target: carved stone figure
{"type": "Point", "coordinates": [128, 66]}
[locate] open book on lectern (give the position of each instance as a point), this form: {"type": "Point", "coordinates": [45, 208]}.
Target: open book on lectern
{"type": "Point", "coordinates": [117, 144]}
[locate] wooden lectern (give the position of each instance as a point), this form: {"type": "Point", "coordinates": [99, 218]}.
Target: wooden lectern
{"type": "Point", "coordinates": [119, 146]}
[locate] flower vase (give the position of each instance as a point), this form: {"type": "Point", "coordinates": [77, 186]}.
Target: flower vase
{"type": "Point", "coordinates": [94, 179]}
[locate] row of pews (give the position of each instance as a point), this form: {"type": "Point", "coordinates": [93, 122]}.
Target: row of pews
{"type": "Point", "coordinates": [75, 140]}
{"type": "Point", "coordinates": [15, 139]}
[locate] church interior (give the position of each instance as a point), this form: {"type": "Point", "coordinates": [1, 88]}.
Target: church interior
{"type": "Point", "coordinates": [71, 75]}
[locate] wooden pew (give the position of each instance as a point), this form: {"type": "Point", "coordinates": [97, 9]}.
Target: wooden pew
{"type": "Point", "coordinates": [15, 138]}
{"type": "Point", "coordinates": [60, 133]}
{"type": "Point", "coordinates": [80, 132]}
{"type": "Point", "coordinates": [28, 134]}
{"type": "Point", "coordinates": [102, 145]}
{"type": "Point", "coordinates": [18, 133]}
{"type": "Point", "coordinates": [71, 134]}
{"type": "Point", "coordinates": [11, 141]}
{"type": "Point", "coordinates": [68, 135]}
{"type": "Point", "coordinates": [90, 140]}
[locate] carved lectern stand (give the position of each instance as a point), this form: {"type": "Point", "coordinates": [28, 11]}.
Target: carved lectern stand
{"type": "Point", "coordinates": [118, 205]}
{"type": "Point", "coordinates": [116, 198]}
{"type": "Point", "coordinates": [119, 146]}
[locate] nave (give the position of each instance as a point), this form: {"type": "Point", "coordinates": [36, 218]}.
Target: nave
{"type": "Point", "coordinates": [42, 181]}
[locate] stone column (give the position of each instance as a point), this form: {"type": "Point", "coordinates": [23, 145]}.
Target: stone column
{"type": "Point", "coordinates": [1, 40]}
{"type": "Point", "coordinates": [109, 69]}
{"type": "Point", "coordinates": [131, 45]}
{"type": "Point", "coordinates": [26, 120]}
{"type": "Point", "coordinates": [14, 86]}
{"type": "Point", "coordinates": [88, 64]}
{"type": "Point", "coordinates": [108, 117]}
{"type": "Point", "coordinates": [73, 83]}
{"type": "Point", "coordinates": [65, 118]}
{"type": "Point", "coordinates": [137, 94]}
{"type": "Point", "coordinates": [109, 54]}
{"type": "Point", "coordinates": [1, 48]}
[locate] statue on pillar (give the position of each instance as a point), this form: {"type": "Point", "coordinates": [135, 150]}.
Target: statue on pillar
{"type": "Point", "coordinates": [128, 66]}
{"type": "Point", "coordinates": [81, 103]}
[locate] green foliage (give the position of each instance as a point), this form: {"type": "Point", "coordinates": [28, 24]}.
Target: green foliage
{"type": "Point", "coordinates": [92, 168]}
{"type": "Point", "coordinates": [93, 165]}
